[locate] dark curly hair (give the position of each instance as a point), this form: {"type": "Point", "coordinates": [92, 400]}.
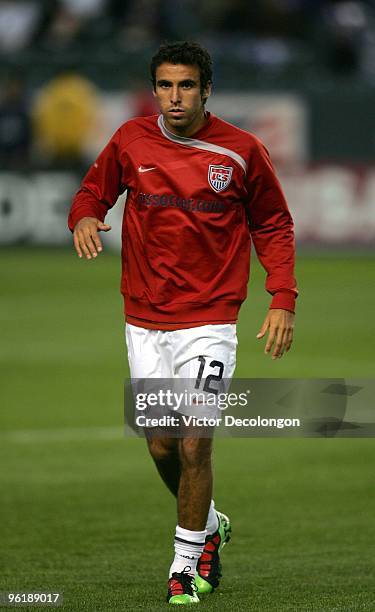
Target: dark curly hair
{"type": "Point", "coordinates": [186, 53]}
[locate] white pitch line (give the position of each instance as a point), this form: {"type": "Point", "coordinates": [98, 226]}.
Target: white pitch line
{"type": "Point", "coordinates": [62, 435]}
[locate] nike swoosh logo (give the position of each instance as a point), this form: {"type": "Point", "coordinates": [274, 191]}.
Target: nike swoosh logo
{"type": "Point", "coordinates": [142, 169]}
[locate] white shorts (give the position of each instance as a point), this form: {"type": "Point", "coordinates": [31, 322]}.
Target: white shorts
{"type": "Point", "coordinates": [203, 357]}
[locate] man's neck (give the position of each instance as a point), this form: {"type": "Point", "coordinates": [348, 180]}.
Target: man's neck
{"type": "Point", "coordinates": [189, 130]}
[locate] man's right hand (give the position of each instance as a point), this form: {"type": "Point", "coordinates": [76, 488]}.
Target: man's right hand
{"type": "Point", "coordinates": [86, 237]}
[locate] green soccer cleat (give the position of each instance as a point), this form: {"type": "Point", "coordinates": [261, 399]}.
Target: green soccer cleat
{"type": "Point", "coordinates": [208, 572]}
{"type": "Point", "coordinates": [181, 588]}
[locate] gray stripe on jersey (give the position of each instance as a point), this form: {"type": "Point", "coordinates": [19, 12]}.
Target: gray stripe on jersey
{"type": "Point", "coordinates": [201, 144]}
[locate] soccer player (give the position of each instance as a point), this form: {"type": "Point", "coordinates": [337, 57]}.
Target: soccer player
{"type": "Point", "coordinates": [198, 191]}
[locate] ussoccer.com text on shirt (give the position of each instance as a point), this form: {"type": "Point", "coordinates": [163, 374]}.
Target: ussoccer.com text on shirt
{"type": "Point", "coordinates": [174, 201]}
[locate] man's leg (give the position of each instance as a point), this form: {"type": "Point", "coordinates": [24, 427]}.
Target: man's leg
{"type": "Point", "coordinates": [151, 357]}
{"type": "Point", "coordinates": [185, 467]}
{"type": "Point", "coordinates": [202, 354]}
{"type": "Point", "coordinates": [165, 454]}
{"type": "Point", "coordinates": [195, 489]}
{"type": "Point", "coordinates": [193, 502]}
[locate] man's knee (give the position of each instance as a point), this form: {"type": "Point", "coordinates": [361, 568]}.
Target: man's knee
{"type": "Point", "coordinates": [195, 452]}
{"type": "Point", "coordinates": [162, 449]}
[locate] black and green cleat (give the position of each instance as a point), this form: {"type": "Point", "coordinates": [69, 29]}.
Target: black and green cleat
{"type": "Point", "coordinates": [182, 589]}
{"type": "Point", "coordinates": [208, 571]}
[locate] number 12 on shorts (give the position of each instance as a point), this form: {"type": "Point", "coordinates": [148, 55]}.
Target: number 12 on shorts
{"type": "Point", "coordinates": [211, 377]}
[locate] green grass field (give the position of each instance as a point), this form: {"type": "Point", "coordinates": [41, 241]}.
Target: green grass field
{"type": "Point", "coordinates": [83, 511]}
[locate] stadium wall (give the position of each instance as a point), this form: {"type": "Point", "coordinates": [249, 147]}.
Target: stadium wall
{"type": "Point", "coordinates": [333, 205]}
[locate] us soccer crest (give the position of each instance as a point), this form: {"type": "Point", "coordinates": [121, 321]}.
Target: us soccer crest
{"type": "Point", "coordinates": [219, 177]}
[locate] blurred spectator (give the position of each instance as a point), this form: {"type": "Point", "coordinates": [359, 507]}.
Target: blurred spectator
{"type": "Point", "coordinates": [345, 23]}
{"type": "Point", "coordinates": [18, 23]}
{"type": "Point", "coordinates": [85, 8]}
{"type": "Point", "coordinates": [15, 129]}
{"type": "Point", "coordinates": [179, 24]}
{"type": "Point", "coordinates": [67, 21]}
{"type": "Point", "coordinates": [140, 24]}
{"type": "Point", "coordinates": [64, 28]}
{"type": "Point", "coordinates": [64, 116]}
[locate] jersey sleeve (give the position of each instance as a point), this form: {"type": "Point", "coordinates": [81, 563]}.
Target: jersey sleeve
{"type": "Point", "coordinates": [271, 228]}
{"type": "Point", "coordinates": [101, 186]}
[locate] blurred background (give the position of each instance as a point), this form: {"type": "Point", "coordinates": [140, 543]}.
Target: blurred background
{"type": "Point", "coordinates": [79, 502]}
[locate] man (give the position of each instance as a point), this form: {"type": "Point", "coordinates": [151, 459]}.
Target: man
{"type": "Point", "coordinates": [198, 189]}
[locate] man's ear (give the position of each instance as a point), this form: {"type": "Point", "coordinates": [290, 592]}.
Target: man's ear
{"type": "Point", "coordinates": [207, 92]}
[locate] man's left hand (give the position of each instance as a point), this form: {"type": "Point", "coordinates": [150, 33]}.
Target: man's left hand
{"type": "Point", "coordinates": [280, 324]}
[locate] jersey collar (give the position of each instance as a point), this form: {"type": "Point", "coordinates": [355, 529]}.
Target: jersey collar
{"type": "Point", "coordinates": [201, 144]}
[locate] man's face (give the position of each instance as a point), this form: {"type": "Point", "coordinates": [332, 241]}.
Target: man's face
{"type": "Point", "coordinates": [178, 92]}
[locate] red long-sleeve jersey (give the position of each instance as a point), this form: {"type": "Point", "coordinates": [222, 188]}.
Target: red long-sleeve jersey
{"type": "Point", "coordinates": [193, 205]}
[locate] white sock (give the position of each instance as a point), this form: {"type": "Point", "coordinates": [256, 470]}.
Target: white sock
{"type": "Point", "coordinates": [212, 520]}
{"type": "Point", "coordinates": [188, 546]}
